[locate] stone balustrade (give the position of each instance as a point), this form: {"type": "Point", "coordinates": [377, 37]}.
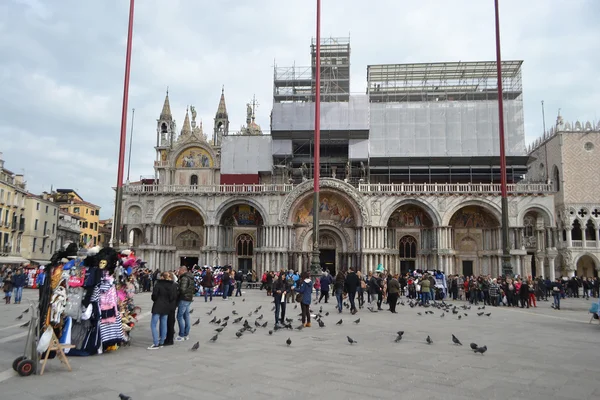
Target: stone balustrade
{"type": "Point", "coordinates": [366, 188]}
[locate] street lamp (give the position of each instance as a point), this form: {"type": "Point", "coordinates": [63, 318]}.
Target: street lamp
{"type": "Point", "coordinates": [506, 265]}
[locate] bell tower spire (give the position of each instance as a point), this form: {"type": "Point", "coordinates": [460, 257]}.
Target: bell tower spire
{"type": "Point", "coordinates": [221, 121]}
{"type": "Point", "coordinates": [165, 127]}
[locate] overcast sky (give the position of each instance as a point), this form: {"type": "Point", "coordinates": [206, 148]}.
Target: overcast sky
{"type": "Point", "coordinates": [62, 66]}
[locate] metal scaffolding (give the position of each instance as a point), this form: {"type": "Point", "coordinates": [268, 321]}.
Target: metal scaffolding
{"type": "Point", "coordinates": [297, 84]}
{"type": "Point", "coordinates": [451, 81]}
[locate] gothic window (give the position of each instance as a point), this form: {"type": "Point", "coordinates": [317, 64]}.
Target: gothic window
{"type": "Point", "coordinates": [245, 246]}
{"type": "Point", "coordinates": [556, 178]}
{"type": "Point", "coordinates": [188, 240]}
{"type": "Point", "coordinates": [590, 230]}
{"type": "Point", "coordinates": [163, 128]}
{"type": "Point", "coordinates": [576, 233]}
{"type": "Point", "coordinates": [194, 180]}
{"type": "Point", "coordinates": [408, 247]}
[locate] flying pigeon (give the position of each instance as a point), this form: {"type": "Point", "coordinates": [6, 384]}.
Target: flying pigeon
{"type": "Point", "coordinates": [455, 340]}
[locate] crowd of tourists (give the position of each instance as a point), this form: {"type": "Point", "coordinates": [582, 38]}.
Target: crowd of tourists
{"type": "Point", "coordinates": [12, 282]}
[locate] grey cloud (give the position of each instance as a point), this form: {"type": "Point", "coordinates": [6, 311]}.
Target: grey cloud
{"type": "Point", "coordinates": [62, 77]}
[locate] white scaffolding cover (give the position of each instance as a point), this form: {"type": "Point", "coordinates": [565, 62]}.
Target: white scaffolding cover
{"type": "Point", "coordinates": [445, 128]}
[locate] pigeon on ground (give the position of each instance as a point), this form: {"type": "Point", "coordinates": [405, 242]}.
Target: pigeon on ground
{"type": "Point", "coordinates": [296, 306]}
{"type": "Point", "coordinates": [473, 346]}
{"type": "Point", "coordinates": [196, 346]}
{"type": "Point", "coordinates": [214, 308]}
{"type": "Point", "coordinates": [443, 315]}
{"type": "Point", "coordinates": [288, 341]}
{"type": "Point", "coordinates": [460, 316]}
{"type": "Point", "coordinates": [260, 317]}
{"type": "Point", "coordinates": [357, 321]}
{"type": "Point", "coordinates": [234, 312]}
{"type": "Point", "coordinates": [238, 320]}
{"type": "Point", "coordinates": [20, 317]}
{"type": "Point", "coordinates": [233, 303]}
{"type": "Point", "coordinates": [479, 314]}
{"type": "Point", "coordinates": [224, 324]}
{"type": "Point", "coordinates": [300, 327]}
{"type": "Point", "coordinates": [455, 340]}
{"type": "Point", "coordinates": [197, 322]}
{"type": "Point", "coordinates": [191, 312]}
{"type": "Point", "coordinates": [350, 340]}
{"type": "Point", "coordinates": [327, 314]}
{"type": "Point", "coordinates": [218, 322]}
{"type": "Point", "coordinates": [480, 350]}
{"type": "Point", "coordinates": [226, 318]}
{"type": "Point", "coordinates": [238, 334]}
{"type": "Point", "coordinates": [371, 309]}
{"type": "Point", "coordinates": [250, 314]}
{"type": "Point", "coordinates": [398, 338]}
{"type": "Point", "coordinates": [25, 325]}
{"type": "Point", "coordinates": [243, 300]}
{"type": "Point", "coordinates": [26, 311]}
{"type": "Point", "coordinates": [419, 313]}
{"type": "Point", "coordinates": [466, 315]}
{"type": "Point", "coordinates": [321, 324]}
{"type": "Point", "coordinates": [219, 330]}
{"type": "Point", "coordinates": [270, 332]}
{"type": "Point", "coordinates": [339, 322]}
{"type": "Point", "coordinates": [214, 338]}
{"type": "Point", "coordinates": [124, 397]}
{"type": "Point", "coordinates": [488, 314]}
{"type": "Point", "coordinates": [212, 321]}
{"type": "Point", "coordinates": [273, 309]}
{"type": "Point", "coordinates": [428, 340]}
{"type": "Point", "coordinates": [265, 324]}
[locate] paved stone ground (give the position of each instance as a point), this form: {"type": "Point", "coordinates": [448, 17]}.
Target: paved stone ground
{"type": "Point", "coordinates": [533, 354]}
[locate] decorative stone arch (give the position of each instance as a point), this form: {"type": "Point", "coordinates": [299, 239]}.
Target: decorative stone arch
{"type": "Point", "coordinates": [345, 190]}
{"type": "Point", "coordinates": [488, 206]}
{"type": "Point", "coordinates": [591, 255]}
{"type": "Point", "coordinates": [227, 204]}
{"type": "Point", "coordinates": [304, 243]}
{"type": "Point", "coordinates": [174, 155]}
{"type": "Point", "coordinates": [135, 237]}
{"type": "Point", "coordinates": [428, 208]}
{"type": "Point", "coordinates": [540, 209]}
{"type": "Point", "coordinates": [188, 240]}
{"type": "Point", "coordinates": [176, 203]}
{"type": "Point", "coordinates": [134, 214]}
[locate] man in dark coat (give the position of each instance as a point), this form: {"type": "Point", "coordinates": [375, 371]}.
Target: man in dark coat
{"type": "Point", "coordinates": [187, 290]}
{"type": "Point", "coordinates": [351, 285]}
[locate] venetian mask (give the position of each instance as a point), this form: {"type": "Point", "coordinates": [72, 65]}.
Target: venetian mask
{"type": "Point", "coordinates": [103, 264]}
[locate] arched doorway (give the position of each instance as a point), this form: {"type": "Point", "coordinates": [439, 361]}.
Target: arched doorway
{"type": "Point", "coordinates": [136, 238]}
{"type": "Point", "coordinates": [586, 267]}
{"type": "Point", "coordinates": [414, 226]}
{"type": "Point", "coordinates": [240, 225]}
{"type": "Point", "coordinates": [187, 234]}
{"type": "Point", "coordinates": [244, 252]}
{"type": "Point", "coordinates": [408, 254]}
{"type": "Point", "coordinates": [477, 237]}
{"type": "Point", "coordinates": [327, 250]}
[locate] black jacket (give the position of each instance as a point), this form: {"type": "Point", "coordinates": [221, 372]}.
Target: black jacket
{"type": "Point", "coordinates": [186, 287]}
{"type": "Point", "coordinates": [280, 285]}
{"type": "Point", "coordinates": [352, 282]}
{"type": "Point", "coordinates": [163, 296]}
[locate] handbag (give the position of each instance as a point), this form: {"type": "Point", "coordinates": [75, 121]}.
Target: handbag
{"type": "Point", "coordinates": [299, 297]}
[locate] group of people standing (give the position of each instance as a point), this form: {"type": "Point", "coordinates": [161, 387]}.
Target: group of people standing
{"type": "Point", "coordinates": [13, 283]}
{"type": "Point", "coordinates": [172, 296]}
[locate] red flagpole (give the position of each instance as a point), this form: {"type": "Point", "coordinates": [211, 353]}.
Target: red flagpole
{"type": "Point", "coordinates": [121, 167]}
{"type": "Point", "coordinates": [315, 266]}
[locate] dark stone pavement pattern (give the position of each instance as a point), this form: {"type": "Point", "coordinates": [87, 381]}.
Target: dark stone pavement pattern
{"type": "Point", "coordinates": [535, 353]}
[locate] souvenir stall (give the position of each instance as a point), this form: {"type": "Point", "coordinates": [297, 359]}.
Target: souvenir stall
{"type": "Point", "coordinates": [86, 301]}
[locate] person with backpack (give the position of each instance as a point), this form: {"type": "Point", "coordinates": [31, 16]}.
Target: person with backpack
{"type": "Point", "coordinates": [291, 283]}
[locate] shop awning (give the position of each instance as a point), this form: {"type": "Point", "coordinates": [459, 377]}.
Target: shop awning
{"type": "Point", "coordinates": [13, 260]}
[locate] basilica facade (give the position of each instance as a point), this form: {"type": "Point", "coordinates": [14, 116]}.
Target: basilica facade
{"type": "Point", "coordinates": [187, 215]}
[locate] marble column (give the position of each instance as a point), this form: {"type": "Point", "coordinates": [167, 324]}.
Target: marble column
{"type": "Point", "coordinates": [569, 237]}
{"type": "Point", "coordinates": [551, 268]}
{"type": "Point", "coordinates": [540, 266]}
